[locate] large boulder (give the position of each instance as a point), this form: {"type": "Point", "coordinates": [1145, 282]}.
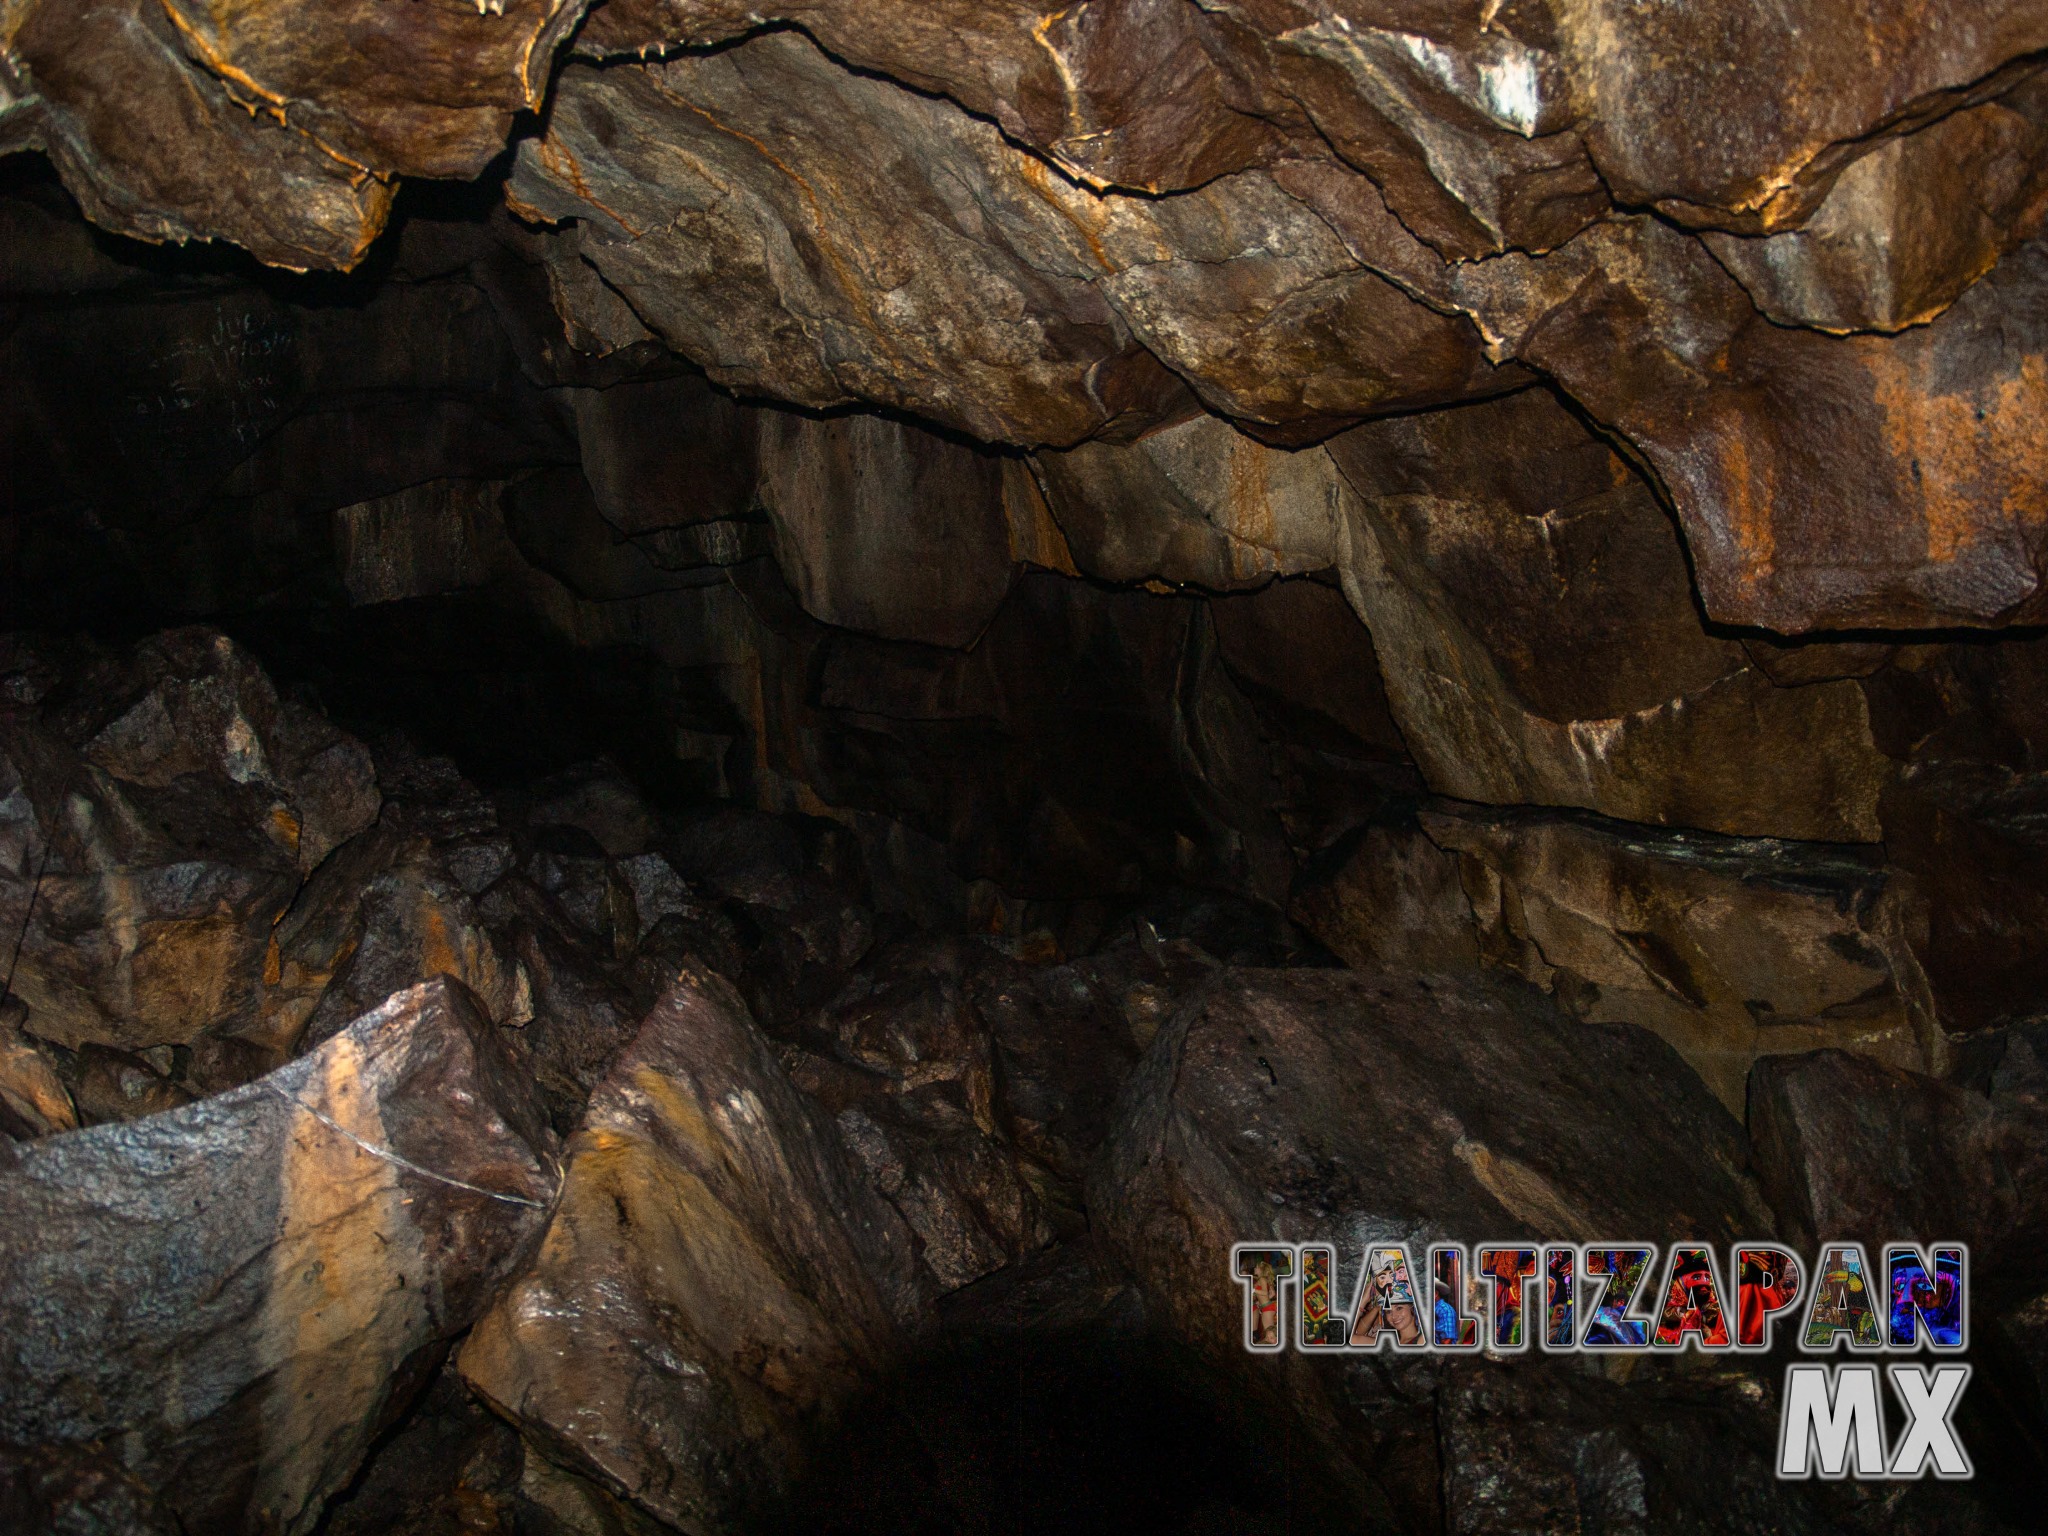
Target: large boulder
{"type": "Point", "coordinates": [239, 1295]}
{"type": "Point", "coordinates": [1848, 1148]}
{"type": "Point", "coordinates": [716, 1278]}
{"type": "Point", "coordinates": [911, 1081]}
{"type": "Point", "coordinates": [1350, 1108]}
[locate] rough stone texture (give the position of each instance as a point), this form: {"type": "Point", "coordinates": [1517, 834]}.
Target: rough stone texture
{"type": "Point", "coordinates": [1039, 224]}
{"type": "Point", "coordinates": [161, 807]}
{"type": "Point", "coordinates": [232, 1295]}
{"type": "Point", "coordinates": [715, 1277]}
{"type": "Point", "coordinates": [1822, 482]}
{"type": "Point", "coordinates": [1532, 613]}
{"type": "Point", "coordinates": [57, 1490]}
{"type": "Point", "coordinates": [1730, 948]}
{"type": "Point", "coordinates": [1021, 307]}
{"type": "Point", "coordinates": [1848, 1148]}
{"type": "Point", "coordinates": [1386, 894]}
{"type": "Point", "coordinates": [1197, 504]}
{"type": "Point", "coordinates": [886, 529]}
{"type": "Point", "coordinates": [383, 914]}
{"type": "Point", "coordinates": [279, 129]}
{"type": "Point", "coordinates": [912, 1087]}
{"type": "Point", "coordinates": [1123, 95]}
{"type": "Point", "coordinates": [33, 1099]}
{"type": "Point", "coordinates": [1350, 1107]}
{"type": "Point", "coordinates": [1907, 226]}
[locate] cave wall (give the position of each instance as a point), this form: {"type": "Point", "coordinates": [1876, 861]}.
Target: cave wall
{"type": "Point", "coordinates": [919, 565]}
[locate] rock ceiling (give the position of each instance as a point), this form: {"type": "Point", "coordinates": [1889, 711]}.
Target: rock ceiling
{"type": "Point", "coordinates": [1773, 254]}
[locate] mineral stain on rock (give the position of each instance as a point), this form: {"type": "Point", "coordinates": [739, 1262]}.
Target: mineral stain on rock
{"type": "Point", "coordinates": [724, 728]}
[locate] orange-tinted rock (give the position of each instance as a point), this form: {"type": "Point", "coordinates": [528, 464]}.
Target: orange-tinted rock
{"type": "Point", "coordinates": [233, 1295]}
{"type": "Point", "coordinates": [1533, 617]}
{"type": "Point", "coordinates": [715, 1277]}
{"type": "Point", "coordinates": [1124, 94]}
{"type": "Point", "coordinates": [409, 91]}
{"type": "Point", "coordinates": [1822, 482]}
{"type": "Point", "coordinates": [280, 129]}
{"type": "Point", "coordinates": [163, 810]}
{"type": "Point", "coordinates": [1732, 949]}
{"type": "Point", "coordinates": [1022, 307]}
{"type": "Point", "coordinates": [1197, 504]}
{"type": "Point", "coordinates": [33, 1098]}
{"type": "Point", "coordinates": [1906, 226]}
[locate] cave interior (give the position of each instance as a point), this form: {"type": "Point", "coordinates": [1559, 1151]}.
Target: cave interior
{"type": "Point", "coordinates": [723, 734]}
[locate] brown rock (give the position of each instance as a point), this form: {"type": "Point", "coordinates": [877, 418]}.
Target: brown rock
{"type": "Point", "coordinates": [118, 1085]}
{"type": "Point", "coordinates": [232, 1294]}
{"type": "Point", "coordinates": [1348, 1108]}
{"type": "Point", "coordinates": [59, 1490]}
{"type": "Point", "coordinates": [1461, 114]}
{"type": "Point", "coordinates": [1532, 614]}
{"type": "Point", "coordinates": [1846, 1148]}
{"type": "Point", "coordinates": [1123, 95]}
{"type": "Point", "coordinates": [155, 147]}
{"type": "Point", "coordinates": [884, 528]}
{"type": "Point", "coordinates": [454, 1467]}
{"type": "Point", "coordinates": [1730, 948]}
{"type": "Point", "coordinates": [1066, 1036]}
{"type": "Point", "coordinates": [164, 809]}
{"type": "Point", "coordinates": [382, 915]}
{"type": "Point", "coordinates": [416, 92]}
{"type": "Point", "coordinates": [279, 131]}
{"type": "Point", "coordinates": [1789, 100]}
{"type": "Point", "coordinates": [972, 336]}
{"type": "Point", "coordinates": [1970, 836]}
{"type": "Point", "coordinates": [1386, 895]}
{"type": "Point", "coordinates": [438, 537]}
{"type": "Point", "coordinates": [1298, 649]}
{"type": "Point", "coordinates": [1196, 504]}
{"type": "Point", "coordinates": [666, 453]}
{"type": "Point", "coordinates": [1822, 482]}
{"type": "Point", "coordinates": [714, 1278]}
{"type": "Point", "coordinates": [1019, 311]}
{"type": "Point", "coordinates": [920, 1108]}
{"type": "Point", "coordinates": [1906, 226]}
{"type": "Point", "coordinates": [33, 1098]}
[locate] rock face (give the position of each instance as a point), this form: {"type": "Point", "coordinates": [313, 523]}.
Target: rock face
{"type": "Point", "coordinates": [283, 133]}
{"type": "Point", "coordinates": [937, 522]}
{"type": "Point", "coordinates": [1730, 948]}
{"type": "Point", "coordinates": [1348, 1108]}
{"type": "Point", "coordinates": [1536, 623]}
{"type": "Point", "coordinates": [715, 1277]}
{"type": "Point", "coordinates": [160, 814]}
{"type": "Point", "coordinates": [233, 1294]}
{"type": "Point", "coordinates": [1848, 1148]}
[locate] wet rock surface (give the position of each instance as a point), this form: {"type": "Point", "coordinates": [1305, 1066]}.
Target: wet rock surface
{"type": "Point", "coordinates": [881, 585]}
{"type": "Point", "coordinates": [233, 1294]}
{"type": "Point", "coordinates": [1285, 1104]}
{"type": "Point", "coordinates": [715, 1274]}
